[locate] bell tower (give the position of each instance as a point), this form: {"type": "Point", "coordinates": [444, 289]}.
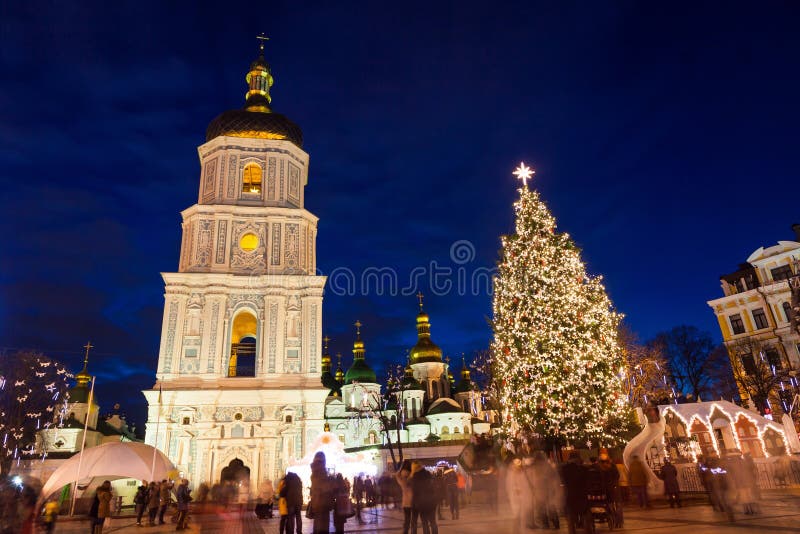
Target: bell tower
{"type": "Point", "coordinates": [241, 343]}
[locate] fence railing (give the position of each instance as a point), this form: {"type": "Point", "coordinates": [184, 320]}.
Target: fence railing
{"type": "Point", "coordinates": [773, 475]}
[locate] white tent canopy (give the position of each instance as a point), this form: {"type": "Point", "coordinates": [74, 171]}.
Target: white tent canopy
{"type": "Point", "coordinates": [112, 460]}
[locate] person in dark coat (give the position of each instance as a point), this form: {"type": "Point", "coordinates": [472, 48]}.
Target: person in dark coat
{"type": "Point", "coordinates": [321, 494]}
{"type": "Point", "coordinates": [574, 475]}
{"type": "Point", "coordinates": [292, 490]}
{"type": "Point", "coordinates": [140, 500]}
{"type": "Point", "coordinates": [423, 500]}
{"type": "Point", "coordinates": [343, 507]}
{"type": "Point", "coordinates": [182, 495]}
{"type": "Point", "coordinates": [153, 502]}
{"type": "Point", "coordinates": [669, 474]}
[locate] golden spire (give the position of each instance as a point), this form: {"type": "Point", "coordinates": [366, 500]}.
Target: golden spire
{"type": "Point", "coordinates": [358, 345]}
{"type": "Point", "coordinates": [84, 377]}
{"type": "Point", "coordinates": [326, 357]}
{"type": "Point", "coordinates": [420, 296]}
{"type": "Point", "coordinates": [464, 368]}
{"type": "Point", "coordinates": [259, 81]}
{"type": "Point", "coordinates": [339, 372]}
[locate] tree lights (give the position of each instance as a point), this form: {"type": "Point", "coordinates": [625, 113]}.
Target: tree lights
{"type": "Point", "coordinates": [555, 354]}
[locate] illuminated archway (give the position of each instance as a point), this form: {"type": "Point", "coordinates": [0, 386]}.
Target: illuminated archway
{"type": "Point", "coordinates": [242, 360]}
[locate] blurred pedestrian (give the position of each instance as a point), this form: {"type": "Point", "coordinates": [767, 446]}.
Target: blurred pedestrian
{"type": "Point", "coordinates": [140, 501]}
{"type": "Point", "coordinates": [292, 492]}
{"type": "Point", "coordinates": [424, 500]}
{"type": "Point", "coordinates": [101, 507]}
{"type": "Point", "coordinates": [50, 516]}
{"type": "Point", "coordinates": [164, 498]}
{"type": "Point", "coordinates": [520, 495]}
{"type": "Point", "coordinates": [343, 507]}
{"type": "Point", "coordinates": [403, 477]}
{"type": "Point", "coordinates": [637, 478]}
{"type": "Point", "coordinates": [574, 475]}
{"type": "Point", "coordinates": [669, 474]}
{"type": "Point", "coordinates": [321, 494]}
{"type": "Point", "coordinates": [451, 487]}
{"type": "Point", "coordinates": [183, 496]}
{"type": "Point", "coordinates": [547, 492]}
{"type": "Point", "coordinates": [153, 501]}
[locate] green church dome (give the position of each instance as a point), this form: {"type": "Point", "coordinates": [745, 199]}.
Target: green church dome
{"type": "Point", "coordinates": [359, 371]}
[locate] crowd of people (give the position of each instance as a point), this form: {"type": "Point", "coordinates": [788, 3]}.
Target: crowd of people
{"type": "Point", "coordinates": [538, 492]}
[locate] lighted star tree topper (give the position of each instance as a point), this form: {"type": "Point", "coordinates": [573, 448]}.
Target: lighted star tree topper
{"type": "Point", "coordinates": [555, 354]}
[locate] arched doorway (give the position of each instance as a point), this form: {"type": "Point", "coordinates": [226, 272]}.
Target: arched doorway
{"type": "Point", "coordinates": [242, 360]}
{"type": "Point", "coordinates": [236, 472]}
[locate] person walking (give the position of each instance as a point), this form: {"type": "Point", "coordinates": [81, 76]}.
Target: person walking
{"type": "Point", "coordinates": [669, 474]}
{"type": "Point", "coordinates": [321, 494]}
{"type": "Point", "coordinates": [574, 476]}
{"type": "Point", "coordinates": [291, 490]}
{"type": "Point", "coordinates": [403, 477]}
{"type": "Point", "coordinates": [153, 500]}
{"type": "Point", "coordinates": [520, 495]}
{"type": "Point", "coordinates": [101, 507]}
{"type": "Point", "coordinates": [547, 492]}
{"type": "Point", "coordinates": [637, 479]}
{"type": "Point", "coordinates": [342, 508]}
{"type": "Point", "coordinates": [423, 500]}
{"type": "Point", "coordinates": [164, 497]}
{"type": "Point", "coordinates": [182, 495]}
{"type": "Point", "coordinates": [451, 486]}
{"type": "Point", "coordinates": [50, 515]}
{"type": "Point", "coordinates": [140, 502]}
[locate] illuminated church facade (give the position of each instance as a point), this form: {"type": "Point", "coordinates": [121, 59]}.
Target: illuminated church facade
{"type": "Point", "coordinates": [238, 390]}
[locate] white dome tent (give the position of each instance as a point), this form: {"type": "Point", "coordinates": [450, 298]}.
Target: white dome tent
{"type": "Point", "coordinates": [111, 460]}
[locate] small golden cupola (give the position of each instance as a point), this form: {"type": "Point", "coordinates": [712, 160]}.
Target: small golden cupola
{"type": "Point", "coordinates": [256, 120]}
{"type": "Point", "coordinates": [425, 350]}
{"type": "Point", "coordinates": [326, 357]}
{"type": "Point", "coordinates": [81, 390]}
{"type": "Point", "coordinates": [339, 371]}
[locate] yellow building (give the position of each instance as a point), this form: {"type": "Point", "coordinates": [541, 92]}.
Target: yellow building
{"type": "Point", "coordinates": [755, 317]}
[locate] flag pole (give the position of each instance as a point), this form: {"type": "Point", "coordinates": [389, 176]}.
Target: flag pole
{"type": "Point", "coordinates": [155, 438]}
{"type": "Point", "coordinates": [83, 446]}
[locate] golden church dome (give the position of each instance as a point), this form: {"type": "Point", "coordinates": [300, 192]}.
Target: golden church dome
{"type": "Point", "coordinates": [256, 120]}
{"type": "Point", "coordinates": [425, 350]}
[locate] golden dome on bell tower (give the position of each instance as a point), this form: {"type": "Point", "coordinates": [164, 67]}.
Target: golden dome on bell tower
{"type": "Point", "coordinates": [256, 120]}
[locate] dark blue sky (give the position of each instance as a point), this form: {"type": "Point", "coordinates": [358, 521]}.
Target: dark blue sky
{"type": "Point", "coordinates": [665, 138]}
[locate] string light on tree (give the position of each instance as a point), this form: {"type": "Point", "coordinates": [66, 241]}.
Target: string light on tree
{"type": "Point", "coordinates": [555, 354]}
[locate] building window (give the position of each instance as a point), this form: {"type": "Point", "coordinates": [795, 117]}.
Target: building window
{"type": "Point", "coordinates": [251, 179]}
{"type": "Point", "coordinates": [760, 318]}
{"type": "Point", "coordinates": [787, 311]}
{"type": "Point", "coordinates": [774, 359]}
{"type": "Point", "coordinates": [186, 420]}
{"type": "Point", "coordinates": [784, 272]}
{"type": "Point", "coordinates": [749, 364]}
{"type": "Point", "coordinates": [287, 419]}
{"type": "Point", "coordinates": [736, 324]}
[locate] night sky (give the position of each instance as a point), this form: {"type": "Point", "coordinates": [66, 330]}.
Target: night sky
{"type": "Point", "coordinates": [664, 135]}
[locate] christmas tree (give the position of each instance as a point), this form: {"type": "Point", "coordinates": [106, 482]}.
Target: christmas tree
{"type": "Point", "coordinates": [555, 354]}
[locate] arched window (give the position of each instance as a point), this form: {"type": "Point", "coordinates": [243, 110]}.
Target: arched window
{"type": "Point", "coordinates": [787, 311]}
{"type": "Point", "coordinates": [445, 432]}
{"type": "Point", "coordinates": [251, 179]}
{"type": "Point", "coordinates": [243, 345]}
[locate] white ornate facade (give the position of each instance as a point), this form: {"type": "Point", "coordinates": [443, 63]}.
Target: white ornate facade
{"type": "Point", "coordinates": [239, 362]}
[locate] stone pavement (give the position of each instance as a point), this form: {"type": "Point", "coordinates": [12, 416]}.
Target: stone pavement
{"type": "Point", "coordinates": [781, 513]}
